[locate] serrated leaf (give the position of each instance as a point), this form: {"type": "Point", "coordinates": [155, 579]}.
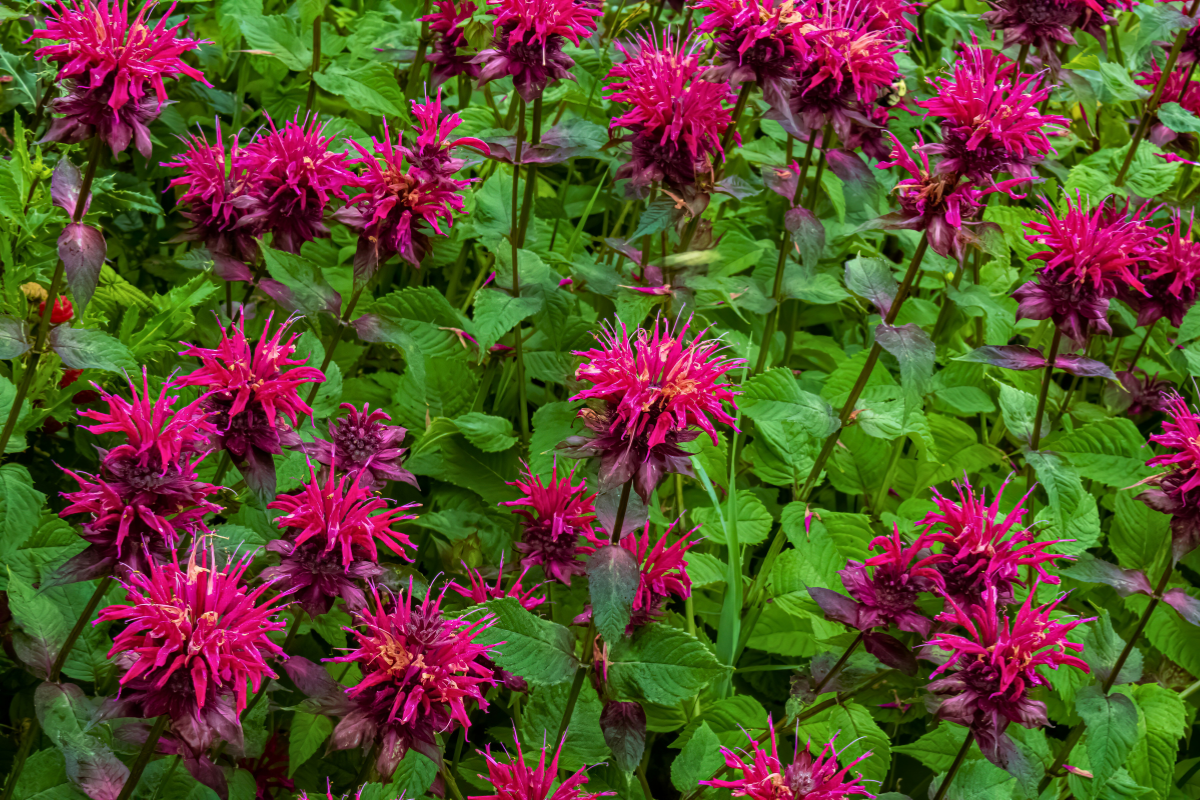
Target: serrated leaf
{"type": "Point", "coordinates": [496, 312]}
{"type": "Point", "coordinates": [305, 737]}
{"type": "Point", "coordinates": [753, 521]}
{"type": "Point", "coordinates": [278, 36]}
{"type": "Point", "coordinates": [370, 88]}
{"type": "Point", "coordinates": [1112, 722]}
{"type": "Point", "coordinates": [539, 651]}
{"type": "Point", "coordinates": [1112, 451]}
{"type": "Point", "coordinates": [698, 761]}
{"type": "Point", "coordinates": [661, 664]}
{"type": "Point", "coordinates": [613, 580]}
{"type": "Point", "coordinates": [82, 348]}
{"type": "Point", "coordinates": [298, 284]}
{"type": "Point", "coordinates": [490, 434]}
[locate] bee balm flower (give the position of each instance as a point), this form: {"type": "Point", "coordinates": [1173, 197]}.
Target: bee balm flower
{"type": "Point", "coordinates": [516, 780]}
{"type": "Point", "coordinates": [1177, 491]}
{"type": "Point", "coordinates": [360, 444]}
{"type": "Point", "coordinates": [529, 38]}
{"type": "Point", "coordinates": [555, 515]}
{"type": "Point", "coordinates": [808, 777]}
{"type": "Point", "coordinates": [446, 23]}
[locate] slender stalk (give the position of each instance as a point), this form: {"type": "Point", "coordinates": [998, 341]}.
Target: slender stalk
{"type": "Point", "coordinates": [764, 349]}
{"type": "Point", "coordinates": [1152, 103]}
{"type": "Point", "coordinates": [451, 783]}
{"type": "Point", "coordinates": [364, 771]}
{"type": "Point", "coordinates": [841, 662]}
{"type": "Point", "coordinates": [1142, 347]}
{"type": "Point", "coordinates": [576, 685]}
{"type": "Point", "coordinates": [418, 65]}
{"type": "Point", "coordinates": [958, 762]}
{"type": "Point", "coordinates": [333, 342]}
{"type": "Point", "coordinates": [1114, 33]}
{"type": "Point", "coordinates": [826, 135]}
{"type": "Point", "coordinates": [515, 238]}
{"type": "Point", "coordinates": [316, 67]}
{"type": "Point", "coordinates": [80, 623]}
{"type": "Point", "coordinates": [143, 757]}
{"type": "Point", "coordinates": [43, 330]}
{"type": "Point", "coordinates": [743, 98]}
{"type": "Point", "coordinates": [287, 645]}
{"type": "Point", "coordinates": [170, 771]}
{"type": "Point", "coordinates": [860, 384]}
{"type": "Point", "coordinates": [1189, 691]}
{"type": "Point", "coordinates": [622, 507]}
{"type": "Point", "coordinates": [1047, 375]}
{"type": "Point", "coordinates": [31, 733]}
{"type": "Point", "coordinates": [535, 137]}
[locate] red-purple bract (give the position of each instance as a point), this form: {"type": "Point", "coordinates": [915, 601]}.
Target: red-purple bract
{"type": "Point", "coordinates": [555, 513]}
{"type": "Point", "coordinates": [516, 780]}
{"type": "Point", "coordinates": [1177, 491]}
{"type": "Point", "coordinates": [888, 594]}
{"type": "Point", "coordinates": [529, 36]}
{"type": "Point", "coordinates": [360, 443]}
{"type": "Point", "coordinates": [446, 22]}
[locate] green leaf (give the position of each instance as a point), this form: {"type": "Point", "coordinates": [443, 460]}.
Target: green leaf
{"type": "Point", "coordinates": [1139, 534]}
{"type": "Point", "coordinates": [540, 651]}
{"type": "Point", "coordinates": [775, 396]}
{"type": "Point", "coordinates": [413, 777]}
{"type": "Point", "coordinates": [661, 664]}
{"type": "Point", "coordinates": [81, 348]}
{"type": "Point", "coordinates": [698, 761]}
{"type": "Point", "coordinates": [490, 434]}
{"type": "Point", "coordinates": [370, 88]}
{"type": "Point", "coordinates": [299, 284]}
{"type": "Point", "coordinates": [872, 278]}
{"type": "Point", "coordinates": [1111, 732]}
{"type": "Point", "coordinates": [658, 216]}
{"type": "Point", "coordinates": [977, 780]}
{"type": "Point", "coordinates": [857, 733]}
{"type": "Point", "coordinates": [497, 312]}
{"type": "Point", "coordinates": [613, 580]}
{"type": "Point", "coordinates": [278, 36]}
{"type": "Point", "coordinates": [1111, 451]}
{"type": "Point", "coordinates": [552, 423]}
{"type": "Point", "coordinates": [1019, 409]}
{"type": "Point", "coordinates": [730, 719]}
{"type": "Point", "coordinates": [937, 748]}
{"type": "Point", "coordinates": [1102, 646]}
{"type": "Point", "coordinates": [1178, 119]}
{"type": "Point", "coordinates": [754, 521]}
{"type": "Point", "coordinates": [585, 743]}
{"type": "Point", "coordinates": [913, 348]}
{"type": "Point", "coordinates": [20, 507]}
{"type": "Point", "coordinates": [42, 624]}
{"type": "Point", "coordinates": [1163, 721]}
{"type": "Point", "coordinates": [305, 737]}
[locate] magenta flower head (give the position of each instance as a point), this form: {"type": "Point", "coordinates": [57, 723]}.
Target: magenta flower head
{"type": "Point", "coordinates": [109, 66]}
{"type": "Point", "coordinates": [664, 572]}
{"type": "Point", "coordinates": [195, 637]}
{"type": "Point", "coordinates": [337, 527]}
{"type": "Point", "coordinates": [146, 495]}
{"type": "Point", "coordinates": [480, 592]}
{"type": "Point", "coordinates": [649, 394]}
{"type": "Point", "coordinates": [945, 206]}
{"type": "Point", "coordinates": [555, 515]}
{"type": "Point", "coordinates": [992, 669]}
{"type": "Point", "coordinates": [1139, 394]}
{"type": "Point", "coordinates": [1178, 88]}
{"type": "Point", "coordinates": [389, 212]}
{"type": "Point", "coordinates": [990, 119]}
{"type": "Point", "coordinates": [216, 190]}
{"type": "Point", "coordinates": [446, 22]}
{"type": "Point", "coordinates": [808, 777]}
{"type": "Point", "coordinates": [1091, 256]}
{"type": "Point", "coordinates": [756, 40]}
{"type": "Point", "coordinates": [252, 395]}
{"type": "Point", "coordinates": [296, 175]}
{"type": "Point", "coordinates": [359, 443]}
{"type": "Point", "coordinates": [529, 37]}
{"type": "Point", "coordinates": [849, 63]}
{"type": "Point", "coordinates": [981, 549]}
{"type": "Point", "coordinates": [517, 780]}
{"type": "Point", "coordinates": [420, 669]}
{"type": "Point", "coordinates": [435, 131]}
{"type": "Point", "coordinates": [1045, 24]}
{"type": "Point", "coordinates": [676, 116]}
{"type": "Point", "coordinates": [888, 594]}
{"type": "Point", "coordinates": [1177, 491]}
{"type": "Point", "coordinates": [1172, 276]}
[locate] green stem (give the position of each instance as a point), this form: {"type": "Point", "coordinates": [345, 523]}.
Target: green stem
{"type": "Point", "coordinates": [515, 238]}
{"type": "Point", "coordinates": [958, 762]}
{"type": "Point", "coordinates": [841, 662]}
{"type": "Point", "coordinates": [43, 330]}
{"type": "Point", "coordinates": [531, 171]}
{"type": "Point", "coordinates": [316, 67]}
{"type": "Point", "coordinates": [576, 685]}
{"type": "Point", "coordinates": [826, 135]}
{"type": "Point", "coordinates": [622, 507]}
{"type": "Point", "coordinates": [143, 757]}
{"type": "Point", "coordinates": [451, 783]}
{"type": "Point", "coordinates": [1142, 347]}
{"type": "Point", "coordinates": [743, 98]}
{"type": "Point", "coordinates": [80, 623]}
{"type": "Point", "coordinates": [31, 733]}
{"type": "Point", "coordinates": [1114, 32]}
{"type": "Point", "coordinates": [1036, 438]}
{"type": "Point", "coordinates": [1152, 103]}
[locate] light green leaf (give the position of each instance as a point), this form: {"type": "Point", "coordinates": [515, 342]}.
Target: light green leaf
{"type": "Point", "coordinates": [540, 651]}
{"type": "Point", "coordinates": [305, 737]}
{"type": "Point", "coordinates": [1111, 732]}
{"type": "Point", "coordinates": [370, 88]}
{"type": "Point", "coordinates": [661, 664]}
{"type": "Point", "coordinates": [490, 434]}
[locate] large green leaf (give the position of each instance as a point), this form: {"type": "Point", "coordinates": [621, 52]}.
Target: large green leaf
{"type": "Point", "coordinates": [661, 664]}
{"type": "Point", "coordinates": [1112, 724]}
{"type": "Point", "coordinates": [540, 651]}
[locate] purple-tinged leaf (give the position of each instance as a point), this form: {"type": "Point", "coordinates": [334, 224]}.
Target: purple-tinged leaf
{"type": "Point", "coordinates": [228, 268]}
{"type": "Point", "coordinates": [891, 652]}
{"type": "Point", "coordinates": [298, 284]}
{"type": "Point", "coordinates": [807, 233]}
{"type": "Point", "coordinates": [259, 472]}
{"type": "Point", "coordinates": [65, 185]}
{"type": "Point", "coordinates": [90, 763]}
{"type": "Point", "coordinates": [1187, 606]}
{"type": "Point", "coordinates": [1093, 570]}
{"type": "Point", "coordinates": [1009, 356]}
{"type": "Point", "coordinates": [658, 216]}
{"type": "Point", "coordinates": [850, 168]}
{"type": "Point", "coordinates": [566, 140]}
{"type": "Point", "coordinates": [82, 250]}
{"type": "Point", "coordinates": [624, 728]}
{"type": "Point", "coordinates": [383, 330]}
{"type": "Point", "coordinates": [913, 348]}
{"type": "Point", "coordinates": [83, 348]}
{"type": "Point", "coordinates": [782, 181]}
{"type": "Point", "coordinates": [1084, 367]}
{"type": "Point", "coordinates": [14, 337]}
{"type": "Point", "coordinates": [872, 278]}
{"type": "Point", "coordinates": [613, 580]}
{"type": "Point", "coordinates": [626, 249]}
{"type": "Point", "coordinates": [735, 187]}
{"type": "Point", "coordinates": [836, 606]}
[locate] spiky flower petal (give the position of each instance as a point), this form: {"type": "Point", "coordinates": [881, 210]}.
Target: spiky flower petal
{"type": "Point", "coordinates": [556, 514]}
{"type": "Point", "coordinates": [359, 443]}
{"type": "Point", "coordinates": [1177, 491]}
{"type": "Point", "coordinates": [517, 780]}
{"type": "Point", "coordinates": [529, 37]}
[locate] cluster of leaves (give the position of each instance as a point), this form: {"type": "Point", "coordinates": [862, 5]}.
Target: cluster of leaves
{"type": "Point", "coordinates": [434, 348]}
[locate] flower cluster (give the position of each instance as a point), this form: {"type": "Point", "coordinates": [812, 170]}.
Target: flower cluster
{"type": "Point", "coordinates": [517, 780]}
{"type": "Point", "coordinates": [650, 393]}
{"type": "Point", "coordinates": [252, 396]}
{"type": "Point", "coordinates": [992, 669]}
{"type": "Point", "coordinates": [395, 201]}
{"type": "Point", "coordinates": [420, 669]}
{"type": "Point", "coordinates": [445, 22]}
{"type": "Point", "coordinates": [1171, 279]}
{"type": "Point", "coordinates": [337, 526]}
{"type": "Point", "coordinates": [1177, 491]}
{"type": "Point", "coordinates": [555, 515]}
{"type": "Point", "coordinates": [529, 37]}
{"type": "Point", "coordinates": [360, 444]}
{"type": "Point", "coordinates": [676, 113]}
{"type": "Point", "coordinates": [194, 638]}
{"type": "Point", "coordinates": [113, 70]}
{"type": "Point", "coordinates": [808, 777]}
{"type": "Point", "coordinates": [480, 592]}
{"type": "Point", "coordinates": [1043, 26]}
{"type": "Point", "coordinates": [145, 496]}
{"type": "Point", "coordinates": [758, 41]}
{"type": "Point", "coordinates": [662, 574]}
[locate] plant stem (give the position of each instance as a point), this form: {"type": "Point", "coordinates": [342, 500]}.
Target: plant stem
{"type": "Point", "coordinates": [1152, 103]}
{"type": "Point", "coordinates": [958, 761]}
{"type": "Point", "coordinates": [287, 644]}
{"type": "Point", "coordinates": [576, 685]}
{"type": "Point", "coordinates": [764, 348]}
{"type": "Point", "coordinates": [143, 757]}
{"type": "Point", "coordinates": [1036, 438]}
{"type": "Point", "coordinates": [1114, 32]}
{"type": "Point", "coordinates": [826, 135]}
{"type": "Point", "coordinates": [1142, 347]}
{"type": "Point", "coordinates": [841, 662]}
{"type": "Point", "coordinates": [622, 507]}
{"type": "Point", "coordinates": [35, 355]}
{"type": "Point", "coordinates": [743, 98]}
{"type": "Point", "coordinates": [414, 72]}
{"type": "Point", "coordinates": [514, 237]}
{"type": "Point", "coordinates": [333, 343]}
{"type": "Point", "coordinates": [535, 137]}
{"type": "Point", "coordinates": [364, 771]}
{"type": "Point", "coordinates": [860, 384]}
{"type": "Point", "coordinates": [451, 783]}
{"type": "Point", "coordinates": [80, 623]}
{"type": "Point", "coordinates": [19, 762]}
{"type": "Point", "coordinates": [316, 67]}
